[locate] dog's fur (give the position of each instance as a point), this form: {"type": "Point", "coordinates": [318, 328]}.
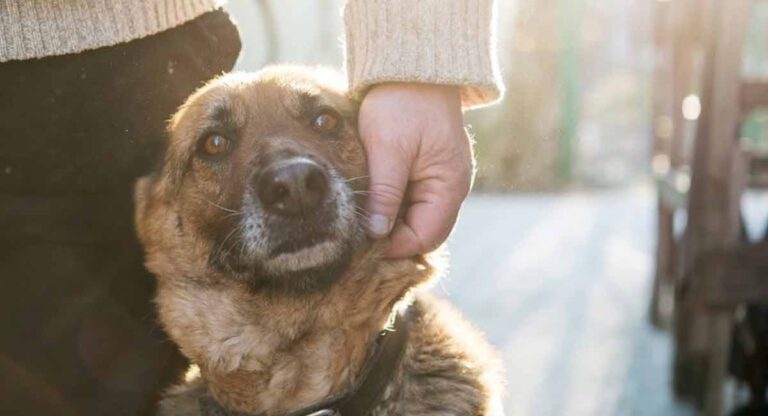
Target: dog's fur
{"type": "Point", "coordinates": [274, 335]}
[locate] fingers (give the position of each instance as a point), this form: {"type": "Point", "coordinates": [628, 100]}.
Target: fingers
{"type": "Point", "coordinates": [414, 132]}
{"type": "Point", "coordinates": [428, 221]}
{"type": "Point", "coordinates": [389, 171]}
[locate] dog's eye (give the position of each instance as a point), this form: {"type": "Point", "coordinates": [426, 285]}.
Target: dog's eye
{"type": "Point", "coordinates": [325, 122]}
{"type": "Point", "coordinates": [215, 145]}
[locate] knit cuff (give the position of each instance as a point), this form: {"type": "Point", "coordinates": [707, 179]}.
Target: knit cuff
{"type": "Point", "coordinates": [36, 29]}
{"type": "Point", "coordinates": [448, 42]}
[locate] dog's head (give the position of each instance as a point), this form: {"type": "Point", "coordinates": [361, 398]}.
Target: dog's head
{"type": "Point", "coordinates": [262, 182]}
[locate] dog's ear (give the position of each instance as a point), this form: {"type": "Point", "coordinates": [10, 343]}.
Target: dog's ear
{"type": "Point", "coordinates": [175, 156]}
{"type": "Point", "coordinates": [148, 201]}
{"type": "Point", "coordinates": [141, 196]}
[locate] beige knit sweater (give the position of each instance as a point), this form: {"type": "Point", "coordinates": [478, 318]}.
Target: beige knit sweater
{"type": "Point", "coordinates": [431, 41]}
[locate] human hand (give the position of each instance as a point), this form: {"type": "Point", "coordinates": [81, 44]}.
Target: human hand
{"type": "Point", "coordinates": [420, 156]}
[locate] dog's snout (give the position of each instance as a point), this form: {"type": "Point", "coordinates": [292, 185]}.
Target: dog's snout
{"type": "Point", "coordinates": [292, 189]}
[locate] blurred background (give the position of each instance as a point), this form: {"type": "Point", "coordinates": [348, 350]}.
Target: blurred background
{"type": "Point", "coordinates": [554, 255]}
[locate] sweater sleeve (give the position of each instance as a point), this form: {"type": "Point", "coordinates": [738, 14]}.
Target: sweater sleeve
{"type": "Point", "coordinates": [448, 42]}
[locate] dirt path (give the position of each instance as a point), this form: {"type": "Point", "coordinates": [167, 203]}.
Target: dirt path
{"type": "Point", "coordinates": [560, 285]}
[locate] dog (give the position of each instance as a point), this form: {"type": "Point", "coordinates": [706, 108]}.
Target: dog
{"type": "Point", "coordinates": [254, 227]}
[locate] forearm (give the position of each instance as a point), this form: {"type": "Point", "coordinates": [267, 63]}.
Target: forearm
{"type": "Point", "coordinates": [430, 41]}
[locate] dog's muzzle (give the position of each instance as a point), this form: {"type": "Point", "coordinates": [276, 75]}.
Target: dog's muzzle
{"type": "Point", "coordinates": [299, 216]}
{"type": "Point", "coordinates": [293, 189]}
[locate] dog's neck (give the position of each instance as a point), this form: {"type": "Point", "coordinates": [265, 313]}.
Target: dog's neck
{"type": "Point", "coordinates": [271, 354]}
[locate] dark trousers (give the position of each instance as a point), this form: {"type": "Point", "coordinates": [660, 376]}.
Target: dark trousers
{"type": "Point", "coordinates": [78, 330]}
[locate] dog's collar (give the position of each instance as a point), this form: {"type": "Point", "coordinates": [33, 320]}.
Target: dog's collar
{"type": "Point", "coordinates": [364, 395]}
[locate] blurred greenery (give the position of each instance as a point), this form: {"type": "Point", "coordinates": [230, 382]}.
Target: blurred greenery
{"type": "Point", "coordinates": [754, 132]}
{"type": "Point", "coordinates": [607, 69]}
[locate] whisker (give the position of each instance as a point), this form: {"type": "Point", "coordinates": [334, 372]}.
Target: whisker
{"type": "Point", "coordinates": [234, 214]}
{"type": "Point", "coordinates": [217, 205]}
{"type": "Point", "coordinates": [243, 246]}
{"type": "Point", "coordinates": [363, 213]}
{"type": "Point", "coordinates": [240, 229]}
{"type": "Point", "coordinates": [356, 178]}
{"type": "Point", "coordinates": [219, 250]}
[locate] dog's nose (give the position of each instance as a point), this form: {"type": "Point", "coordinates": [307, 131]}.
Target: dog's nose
{"type": "Point", "coordinates": [293, 189]}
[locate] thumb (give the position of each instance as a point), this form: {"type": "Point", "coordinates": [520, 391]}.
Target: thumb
{"type": "Point", "coordinates": [389, 169]}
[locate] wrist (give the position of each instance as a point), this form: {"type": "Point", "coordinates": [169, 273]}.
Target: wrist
{"type": "Point", "coordinates": [449, 93]}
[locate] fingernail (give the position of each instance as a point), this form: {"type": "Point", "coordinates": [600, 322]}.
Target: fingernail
{"type": "Point", "coordinates": [378, 225]}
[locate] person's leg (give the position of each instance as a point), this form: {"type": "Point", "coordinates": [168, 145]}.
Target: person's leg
{"type": "Point", "coordinates": [79, 334]}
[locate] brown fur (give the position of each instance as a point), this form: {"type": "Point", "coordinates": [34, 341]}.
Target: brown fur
{"type": "Point", "coordinates": [270, 351]}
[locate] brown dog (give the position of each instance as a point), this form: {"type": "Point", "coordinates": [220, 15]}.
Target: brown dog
{"type": "Point", "coordinates": [267, 282]}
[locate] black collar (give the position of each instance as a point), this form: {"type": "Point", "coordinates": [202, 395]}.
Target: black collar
{"type": "Point", "coordinates": [362, 397]}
